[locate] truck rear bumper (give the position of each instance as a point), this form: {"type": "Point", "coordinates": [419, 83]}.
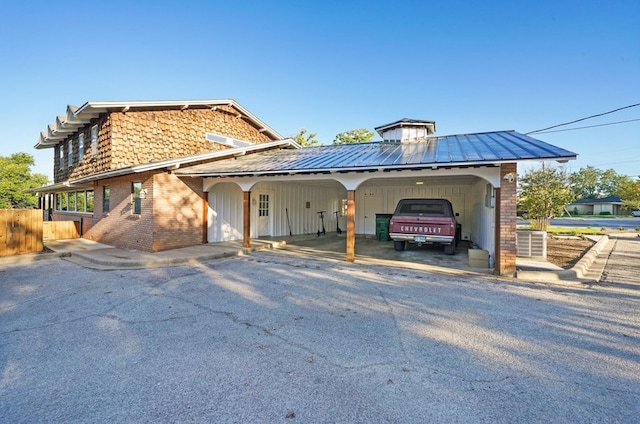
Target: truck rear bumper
{"type": "Point", "coordinates": [421, 238]}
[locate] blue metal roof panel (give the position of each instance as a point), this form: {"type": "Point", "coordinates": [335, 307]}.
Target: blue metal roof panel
{"type": "Point", "coordinates": [453, 150]}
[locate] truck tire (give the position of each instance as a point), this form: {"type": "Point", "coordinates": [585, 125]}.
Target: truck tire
{"type": "Point", "coordinates": [399, 245]}
{"type": "Point", "coordinates": [450, 249]}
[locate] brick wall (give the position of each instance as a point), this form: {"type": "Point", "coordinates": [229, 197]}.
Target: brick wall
{"type": "Point", "coordinates": [177, 211]}
{"type": "Point", "coordinates": [171, 213]}
{"type": "Point", "coordinates": [506, 227]}
{"type": "Point", "coordinates": [120, 226]}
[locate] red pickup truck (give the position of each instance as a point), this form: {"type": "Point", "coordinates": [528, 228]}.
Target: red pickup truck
{"type": "Point", "coordinates": [424, 221]}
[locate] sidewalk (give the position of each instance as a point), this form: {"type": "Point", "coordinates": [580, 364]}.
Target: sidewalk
{"type": "Point", "coordinates": [91, 254]}
{"type": "Point", "coordinates": [588, 269]}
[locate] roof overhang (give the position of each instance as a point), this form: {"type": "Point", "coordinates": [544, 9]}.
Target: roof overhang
{"type": "Point", "coordinates": [387, 169]}
{"type": "Point", "coordinates": [170, 165]}
{"type": "Point", "coordinates": [77, 117]}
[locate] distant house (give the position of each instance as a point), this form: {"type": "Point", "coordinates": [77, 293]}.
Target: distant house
{"type": "Point", "coordinates": [160, 175]}
{"type": "Point", "coordinates": [611, 205]}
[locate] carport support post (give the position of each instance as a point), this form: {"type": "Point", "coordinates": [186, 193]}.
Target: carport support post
{"type": "Point", "coordinates": [205, 216]}
{"type": "Point", "coordinates": [246, 217]}
{"type": "Point", "coordinates": [506, 221]}
{"type": "Point", "coordinates": [351, 226]}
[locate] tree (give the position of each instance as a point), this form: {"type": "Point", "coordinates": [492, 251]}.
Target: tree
{"type": "Point", "coordinates": [629, 192]}
{"type": "Point", "coordinates": [610, 182]}
{"type": "Point", "coordinates": [359, 135]}
{"type": "Point", "coordinates": [544, 193]}
{"type": "Point", "coordinates": [305, 140]}
{"type": "Point", "coordinates": [584, 183]}
{"type": "Point", "coordinates": [593, 183]}
{"type": "Point", "coordinates": [16, 178]}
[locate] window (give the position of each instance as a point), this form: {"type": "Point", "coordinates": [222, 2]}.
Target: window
{"type": "Point", "coordinates": [136, 199]}
{"type": "Point", "coordinates": [89, 207]}
{"type": "Point", "coordinates": [81, 202]}
{"type": "Point", "coordinates": [72, 202]}
{"type": "Point", "coordinates": [70, 153]}
{"type": "Point", "coordinates": [61, 164]}
{"type": "Point", "coordinates": [80, 147]}
{"type": "Point", "coordinates": [263, 205]}
{"type": "Point", "coordinates": [106, 194]}
{"type": "Point", "coordinates": [75, 201]}
{"type": "Point", "coordinates": [62, 201]}
{"type": "Point", "coordinates": [94, 141]}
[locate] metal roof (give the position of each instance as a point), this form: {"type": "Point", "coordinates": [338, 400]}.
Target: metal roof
{"type": "Point", "coordinates": [78, 117]}
{"type": "Point", "coordinates": [481, 149]}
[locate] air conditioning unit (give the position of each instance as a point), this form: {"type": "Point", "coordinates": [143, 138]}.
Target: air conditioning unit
{"type": "Point", "coordinates": [531, 244]}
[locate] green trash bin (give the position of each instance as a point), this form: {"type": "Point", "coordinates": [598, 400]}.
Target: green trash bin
{"type": "Point", "coordinates": [382, 226]}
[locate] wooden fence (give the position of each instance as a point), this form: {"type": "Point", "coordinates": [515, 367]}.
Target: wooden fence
{"type": "Point", "coordinates": [20, 231]}
{"type": "Point", "coordinates": [23, 231]}
{"type": "Point", "coordinates": [55, 230]}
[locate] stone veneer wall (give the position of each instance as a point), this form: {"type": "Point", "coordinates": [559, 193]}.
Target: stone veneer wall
{"type": "Point", "coordinates": [138, 137]}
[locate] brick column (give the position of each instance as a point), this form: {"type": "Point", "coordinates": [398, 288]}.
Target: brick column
{"type": "Point", "coordinates": [506, 204]}
{"type": "Point", "coordinates": [205, 217]}
{"type": "Point", "coordinates": [246, 227]}
{"type": "Point", "coordinates": [351, 226]}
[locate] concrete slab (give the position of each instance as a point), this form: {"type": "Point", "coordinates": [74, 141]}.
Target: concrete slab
{"type": "Point", "coordinates": [331, 246]}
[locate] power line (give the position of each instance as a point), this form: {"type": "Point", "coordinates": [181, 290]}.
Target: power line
{"type": "Point", "coordinates": [581, 128]}
{"type": "Point", "coordinates": [583, 119]}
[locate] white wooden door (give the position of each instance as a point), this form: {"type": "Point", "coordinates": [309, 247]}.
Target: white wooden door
{"type": "Point", "coordinates": [372, 206]}
{"type": "Point", "coordinates": [263, 213]}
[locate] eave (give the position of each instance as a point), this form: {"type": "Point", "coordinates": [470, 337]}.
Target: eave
{"type": "Point", "coordinates": [77, 117]}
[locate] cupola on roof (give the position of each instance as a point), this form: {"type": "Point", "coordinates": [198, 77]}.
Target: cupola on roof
{"type": "Point", "coordinates": [406, 130]}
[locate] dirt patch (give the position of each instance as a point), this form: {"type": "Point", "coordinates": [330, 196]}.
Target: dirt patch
{"type": "Point", "coordinates": [566, 252]}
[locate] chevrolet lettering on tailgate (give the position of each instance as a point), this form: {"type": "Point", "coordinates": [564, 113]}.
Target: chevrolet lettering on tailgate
{"type": "Point", "coordinates": [426, 230]}
{"type": "Point", "coordinates": [424, 221]}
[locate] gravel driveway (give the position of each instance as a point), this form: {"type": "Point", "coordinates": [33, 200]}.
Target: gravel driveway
{"type": "Point", "coordinates": [274, 337]}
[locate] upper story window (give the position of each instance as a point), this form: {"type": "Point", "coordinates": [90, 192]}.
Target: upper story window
{"type": "Point", "coordinates": [80, 147]}
{"type": "Point", "coordinates": [70, 153]}
{"type": "Point", "coordinates": [61, 164]}
{"type": "Point", "coordinates": [94, 141]}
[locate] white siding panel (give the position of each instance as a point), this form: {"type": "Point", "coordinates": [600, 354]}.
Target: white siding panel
{"type": "Point", "coordinates": [225, 213]}
{"type": "Point", "coordinates": [294, 197]}
{"type": "Point", "coordinates": [391, 194]}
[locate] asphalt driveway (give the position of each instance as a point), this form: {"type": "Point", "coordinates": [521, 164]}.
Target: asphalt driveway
{"type": "Point", "coordinates": [280, 337]}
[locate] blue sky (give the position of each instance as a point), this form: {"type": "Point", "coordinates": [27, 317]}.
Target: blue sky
{"type": "Point", "coordinates": [470, 66]}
